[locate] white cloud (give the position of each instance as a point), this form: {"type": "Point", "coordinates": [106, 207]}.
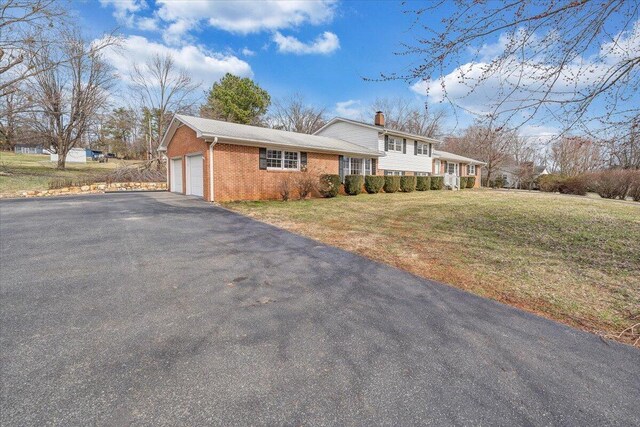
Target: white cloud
{"type": "Point", "coordinates": [202, 65]}
{"type": "Point", "coordinates": [519, 84]}
{"type": "Point", "coordinates": [148, 24]}
{"type": "Point", "coordinates": [351, 109]}
{"type": "Point", "coordinates": [248, 52]}
{"type": "Point", "coordinates": [324, 44]}
{"type": "Point", "coordinates": [245, 17]}
{"type": "Point", "coordinates": [124, 10]}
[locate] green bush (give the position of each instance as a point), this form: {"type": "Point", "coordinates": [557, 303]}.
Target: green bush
{"type": "Point", "coordinates": [463, 182]}
{"type": "Point", "coordinates": [329, 185]}
{"type": "Point", "coordinates": [407, 183]}
{"type": "Point", "coordinates": [634, 188]}
{"type": "Point", "coordinates": [423, 183]}
{"type": "Point", "coordinates": [353, 184]}
{"type": "Point", "coordinates": [471, 181]}
{"type": "Point", "coordinates": [373, 183]}
{"type": "Point", "coordinates": [391, 184]}
{"type": "Point", "coordinates": [437, 182]}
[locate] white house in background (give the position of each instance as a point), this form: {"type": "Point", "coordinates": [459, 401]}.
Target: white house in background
{"type": "Point", "coordinates": [405, 153]}
{"type": "Point", "coordinates": [75, 155]}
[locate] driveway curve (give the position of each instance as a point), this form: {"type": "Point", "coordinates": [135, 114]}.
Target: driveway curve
{"type": "Point", "coordinates": [157, 309]}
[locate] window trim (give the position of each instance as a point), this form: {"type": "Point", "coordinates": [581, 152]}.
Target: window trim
{"type": "Point", "coordinates": [397, 144]}
{"type": "Point", "coordinates": [388, 172]}
{"type": "Point", "coordinates": [423, 145]}
{"type": "Point", "coordinates": [469, 170]}
{"type": "Point", "coordinates": [282, 160]}
{"type": "Point", "coordinates": [347, 165]}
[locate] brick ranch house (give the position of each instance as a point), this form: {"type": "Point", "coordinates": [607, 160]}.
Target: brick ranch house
{"type": "Point", "coordinates": [222, 161]}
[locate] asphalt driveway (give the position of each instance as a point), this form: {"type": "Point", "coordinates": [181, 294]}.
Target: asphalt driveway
{"type": "Point", "coordinates": [156, 309]}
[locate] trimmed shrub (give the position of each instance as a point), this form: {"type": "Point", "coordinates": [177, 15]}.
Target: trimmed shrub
{"type": "Point", "coordinates": [373, 183]}
{"type": "Point", "coordinates": [423, 183]}
{"type": "Point", "coordinates": [353, 184]}
{"type": "Point", "coordinates": [329, 185]}
{"type": "Point", "coordinates": [391, 184]}
{"type": "Point", "coordinates": [463, 182]}
{"type": "Point", "coordinates": [437, 182]}
{"type": "Point", "coordinates": [574, 185]}
{"type": "Point", "coordinates": [471, 181]}
{"type": "Point", "coordinates": [407, 183]}
{"type": "Point", "coordinates": [550, 183]}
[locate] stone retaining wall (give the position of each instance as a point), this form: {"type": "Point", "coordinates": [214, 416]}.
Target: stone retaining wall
{"type": "Point", "coordinates": [98, 187]}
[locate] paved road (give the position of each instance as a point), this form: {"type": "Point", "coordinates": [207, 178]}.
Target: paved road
{"type": "Point", "coordinates": [156, 309]}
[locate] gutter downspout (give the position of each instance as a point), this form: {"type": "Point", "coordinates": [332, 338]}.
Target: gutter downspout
{"type": "Point", "coordinates": [214, 142]}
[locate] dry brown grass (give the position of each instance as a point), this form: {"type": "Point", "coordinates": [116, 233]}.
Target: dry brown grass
{"type": "Point", "coordinates": [573, 259]}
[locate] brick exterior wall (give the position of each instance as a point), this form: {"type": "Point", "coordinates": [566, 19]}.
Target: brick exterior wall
{"type": "Point", "coordinates": [184, 143]}
{"type": "Point", "coordinates": [237, 176]}
{"type": "Point", "coordinates": [463, 172]}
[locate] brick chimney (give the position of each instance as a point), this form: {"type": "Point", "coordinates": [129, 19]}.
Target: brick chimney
{"type": "Point", "coordinates": [379, 119]}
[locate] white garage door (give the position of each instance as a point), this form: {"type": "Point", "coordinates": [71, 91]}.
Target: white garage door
{"type": "Point", "coordinates": [176, 175]}
{"type": "Point", "coordinates": [195, 179]}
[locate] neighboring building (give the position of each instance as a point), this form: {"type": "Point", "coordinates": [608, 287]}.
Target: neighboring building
{"type": "Point", "coordinates": [222, 161]}
{"type": "Point", "coordinates": [28, 149]}
{"type": "Point", "coordinates": [225, 161]}
{"type": "Point", "coordinates": [515, 175]}
{"type": "Point", "coordinates": [75, 155]}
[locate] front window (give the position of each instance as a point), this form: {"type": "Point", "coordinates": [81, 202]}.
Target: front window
{"type": "Point", "coordinates": [423, 148]}
{"type": "Point", "coordinates": [394, 144]}
{"type": "Point", "coordinates": [451, 168]}
{"type": "Point", "coordinates": [437, 167]}
{"type": "Point", "coordinates": [422, 174]}
{"type": "Point", "coordinates": [356, 166]}
{"type": "Point", "coordinates": [285, 160]}
{"type": "Point", "coordinates": [394, 173]}
{"type": "Point", "coordinates": [471, 169]}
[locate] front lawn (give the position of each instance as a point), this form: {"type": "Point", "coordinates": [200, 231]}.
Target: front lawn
{"type": "Point", "coordinates": [573, 259]}
{"type": "Point", "coordinates": [25, 172]}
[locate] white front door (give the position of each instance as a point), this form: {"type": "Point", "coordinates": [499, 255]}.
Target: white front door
{"type": "Point", "coordinates": [195, 175]}
{"type": "Point", "coordinates": [176, 175]}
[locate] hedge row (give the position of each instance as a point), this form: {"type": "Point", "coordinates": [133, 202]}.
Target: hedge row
{"type": "Point", "coordinates": [609, 184]}
{"type": "Point", "coordinates": [372, 184]}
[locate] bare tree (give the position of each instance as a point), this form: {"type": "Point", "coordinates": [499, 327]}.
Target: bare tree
{"type": "Point", "coordinates": [405, 115]}
{"type": "Point", "coordinates": [573, 156]}
{"type": "Point", "coordinates": [295, 115]}
{"type": "Point", "coordinates": [162, 89]}
{"type": "Point", "coordinates": [547, 59]}
{"type": "Point", "coordinates": [624, 149]}
{"type": "Point", "coordinates": [24, 32]}
{"type": "Point", "coordinates": [492, 146]}
{"type": "Point", "coordinates": [72, 88]}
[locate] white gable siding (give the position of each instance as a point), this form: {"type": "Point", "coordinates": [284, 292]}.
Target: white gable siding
{"type": "Point", "coordinates": [373, 139]}
{"type": "Point", "coordinates": [349, 132]}
{"type": "Point", "coordinates": [408, 162]}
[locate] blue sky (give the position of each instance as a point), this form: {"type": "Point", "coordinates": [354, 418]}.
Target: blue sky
{"type": "Point", "coordinates": [367, 33]}
{"type": "Point", "coordinates": [321, 49]}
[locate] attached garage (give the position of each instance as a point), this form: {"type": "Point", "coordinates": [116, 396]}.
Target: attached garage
{"type": "Point", "coordinates": [175, 171]}
{"type": "Point", "coordinates": [195, 175]}
{"type": "Point", "coordinates": [222, 161]}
